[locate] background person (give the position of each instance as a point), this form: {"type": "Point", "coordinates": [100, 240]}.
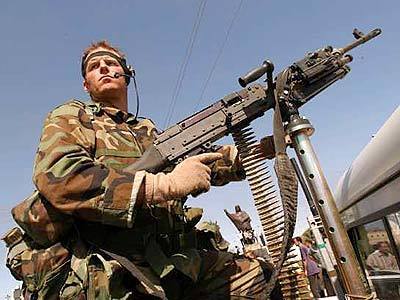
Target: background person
{"type": "Point", "coordinates": [381, 258]}
{"type": "Point", "coordinates": [311, 268]}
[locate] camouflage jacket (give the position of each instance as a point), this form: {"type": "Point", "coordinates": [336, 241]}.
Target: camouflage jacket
{"type": "Point", "coordinates": [80, 161]}
{"type": "Point", "coordinates": [80, 172]}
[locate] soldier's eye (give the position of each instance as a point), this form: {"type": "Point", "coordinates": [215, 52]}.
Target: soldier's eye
{"type": "Point", "coordinates": [93, 66]}
{"type": "Point", "coordinates": [112, 63]}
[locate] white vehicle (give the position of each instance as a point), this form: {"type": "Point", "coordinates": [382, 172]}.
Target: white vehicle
{"type": "Point", "coordinates": [368, 199]}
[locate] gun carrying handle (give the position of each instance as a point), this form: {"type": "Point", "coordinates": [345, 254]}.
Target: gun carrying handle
{"type": "Point", "coordinates": [266, 67]}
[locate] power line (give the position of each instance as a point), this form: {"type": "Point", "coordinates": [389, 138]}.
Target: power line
{"type": "Point", "coordinates": [185, 62]}
{"type": "Point", "coordinates": [221, 49]}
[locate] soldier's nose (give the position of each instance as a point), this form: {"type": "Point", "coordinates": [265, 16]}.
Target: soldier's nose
{"type": "Point", "coordinates": [103, 67]}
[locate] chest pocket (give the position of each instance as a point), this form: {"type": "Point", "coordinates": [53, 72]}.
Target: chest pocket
{"type": "Point", "coordinates": [119, 144]}
{"type": "Point", "coordinates": [116, 144]}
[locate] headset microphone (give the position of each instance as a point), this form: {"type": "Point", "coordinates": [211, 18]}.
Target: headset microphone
{"type": "Point", "coordinates": [117, 75]}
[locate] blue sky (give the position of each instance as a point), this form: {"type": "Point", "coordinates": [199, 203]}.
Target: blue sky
{"type": "Point", "coordinates": [42, 43]}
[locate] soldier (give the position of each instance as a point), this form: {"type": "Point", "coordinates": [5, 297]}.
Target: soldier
{"type": "Point", "coordinates": [126, 234]}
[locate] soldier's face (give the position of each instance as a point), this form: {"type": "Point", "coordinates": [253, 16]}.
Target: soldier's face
{"type": "Point", "coordinates": [100, 82]}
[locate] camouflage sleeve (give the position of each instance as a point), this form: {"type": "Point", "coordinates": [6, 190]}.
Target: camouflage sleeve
{"type": "Point", "coordinates": [228, 168]}
{"type": "Point", "coordinates": [72, 181]}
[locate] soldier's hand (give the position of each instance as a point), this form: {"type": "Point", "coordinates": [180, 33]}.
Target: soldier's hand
{"type": "Point", "coordinates": [267, 147]}
{"type": "Point", "coordinates": [190, 177]}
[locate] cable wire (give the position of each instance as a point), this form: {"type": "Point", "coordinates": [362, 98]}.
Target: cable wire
{"type": "Point", "coordinates": [221, 49]}
{"type": "Point", "coordinates": [185, 62]}
{"type": "Point", "coordinates": [137, 97]}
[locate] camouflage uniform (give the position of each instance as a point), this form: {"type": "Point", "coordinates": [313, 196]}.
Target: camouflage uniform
{"type": "Point", "coordinates": [80, 170]}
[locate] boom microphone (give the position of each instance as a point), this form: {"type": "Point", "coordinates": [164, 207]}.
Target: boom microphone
{"type": "Point", "coordinates": [117, 75]}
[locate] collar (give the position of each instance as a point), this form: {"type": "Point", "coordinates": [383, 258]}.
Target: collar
{"type": "Point", "coordinates": [382, 254]}
{"type": "Point", "coordinates": [98, 107]}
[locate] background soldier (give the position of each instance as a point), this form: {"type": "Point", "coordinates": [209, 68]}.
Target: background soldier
{"type": "Point", "coordinates": [124, 233]}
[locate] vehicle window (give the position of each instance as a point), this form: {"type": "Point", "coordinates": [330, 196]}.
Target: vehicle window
{"type": "Point", "coordinates": [394, 223]}
{"type": "Point", "coordinates": [378, 259]}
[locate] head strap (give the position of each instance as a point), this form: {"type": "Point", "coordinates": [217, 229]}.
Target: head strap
{"type": "Point", "coordinates": [121, 61]}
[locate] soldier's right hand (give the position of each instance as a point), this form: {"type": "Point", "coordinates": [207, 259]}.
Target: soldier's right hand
{"type": "Point", "coordinates": [190, 177]}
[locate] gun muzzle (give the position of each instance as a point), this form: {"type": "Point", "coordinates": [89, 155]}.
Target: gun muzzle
{"type": "Point", "coordinates": [360, 39]}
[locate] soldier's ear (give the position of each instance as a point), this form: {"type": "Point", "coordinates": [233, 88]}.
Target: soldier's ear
{"type": "Point", "coordinates": [85, 85]}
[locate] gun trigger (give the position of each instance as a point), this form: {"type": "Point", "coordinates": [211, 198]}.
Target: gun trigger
{"type": "Point", "coordinates": [215, 148]}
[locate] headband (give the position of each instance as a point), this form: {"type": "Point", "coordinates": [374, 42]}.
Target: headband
{"type": "Point", "coordinates": [121, 61]}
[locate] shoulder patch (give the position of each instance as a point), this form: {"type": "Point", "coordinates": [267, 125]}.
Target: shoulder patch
{"type": "Point", "coordinates": [146, 123]}
{"type": "Point", "coordinates": [70, 108]}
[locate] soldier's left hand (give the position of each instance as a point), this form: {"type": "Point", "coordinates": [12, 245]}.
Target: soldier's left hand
{"type": "Point", "coordinates": [267, 147]}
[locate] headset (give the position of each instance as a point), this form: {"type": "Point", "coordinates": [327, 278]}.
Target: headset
{"type": "Point", "coordinates": [129, 71]}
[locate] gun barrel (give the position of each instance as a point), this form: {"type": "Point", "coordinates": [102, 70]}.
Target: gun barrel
{"type": "Point", "coordinates": [361, 40]}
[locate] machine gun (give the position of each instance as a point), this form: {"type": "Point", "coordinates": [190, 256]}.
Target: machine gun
{"type": "Point", "coordinates": [292, 88]}
{"type": "Point", "coordinates": [302, 81]}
